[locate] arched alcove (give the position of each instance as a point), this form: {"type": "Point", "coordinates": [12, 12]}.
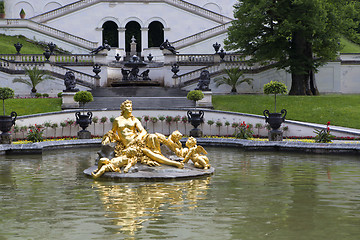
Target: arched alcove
{"type": "Point", "coordinates": [132, 29]}
{"type": "Point", "coordinates": [28, 9]}
{"type": "Point", "coordinates": [51, 6]}
{"type": "Point", "coordinates": [156, 34]}
{"type": "Point", "coordinates": [110, 33]}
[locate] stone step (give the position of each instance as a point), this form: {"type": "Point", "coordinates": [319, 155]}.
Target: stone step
{"type": "Point", "coordinates": [141, 102]}
{"type": "Point", "coordinates": [138, 91]}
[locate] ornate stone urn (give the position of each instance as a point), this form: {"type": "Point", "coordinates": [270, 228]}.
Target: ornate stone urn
{"type": "Point", "coordinates": [6, 122]}
{"type": "Point", "coordinates": [84, 120]}
{"type": "Point", "coordinates": [195, 119]}
{"type": "Point", "coordinates": [275, 119]}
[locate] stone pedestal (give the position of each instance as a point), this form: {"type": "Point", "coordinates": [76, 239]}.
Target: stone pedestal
{"type": "Point", "coordinates": [206, 101]}
{"type": "Point", "coordinates": [196, 133]}
{"type": "Point", "coordinates": [68, 100]}
{"type": "Point", "coordinates": [84, 134]}
{"type": "Point", "coordinates": [5, 138]}
{"type": "Point", "coordinates": [276, 135]}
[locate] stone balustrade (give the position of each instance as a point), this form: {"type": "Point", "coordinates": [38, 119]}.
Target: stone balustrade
{"type": "Point", "coordinates": [195, 58]}
{"type": "Point", "coordinates": [59, 71]}
{"type": "Point", "coordinates": [83, 3]}
{"type": "Point", "coordinates": [201, 36]}
{"type": "Point", "coordinates": [68, 59]}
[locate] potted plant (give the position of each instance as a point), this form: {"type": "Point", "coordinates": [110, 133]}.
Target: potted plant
{"type": "Point", "coordinates": [195, 118]}
{"type": "Point", "coordinates": [35, 76]}
{"type": "Point", "coordinates": [83, 97]}
{"type": "Point", "coordinates": [22, 13]}
{"type": "Point", "coordinates": [275, 119]}
{"type": "Point", "coordinates": [2, 9]}
{"type": "Point", "coordinates": [6, 121]}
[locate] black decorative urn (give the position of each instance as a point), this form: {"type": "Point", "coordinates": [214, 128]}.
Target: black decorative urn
{"type": "Point", "coordinates": [84, 120]}
{"type": "Point", "coordinates": [6, 122]}
{"type": "Point", "coordinates": [195, 119]}
{"type": "Point", "coordinates": [275, 119]}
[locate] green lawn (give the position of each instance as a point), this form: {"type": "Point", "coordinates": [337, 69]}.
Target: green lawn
{"type": "Point", "coordinates": [29, 106]}
{"type": "Point", "coordinates": [7, 45]}
{"type": "Point", "coordinates": [340, 110]}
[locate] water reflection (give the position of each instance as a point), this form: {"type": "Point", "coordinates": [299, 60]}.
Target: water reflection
{"type": "Point", "coordinates": [130, 205]}
{"type": "Point", "coordinates": [252, 195]}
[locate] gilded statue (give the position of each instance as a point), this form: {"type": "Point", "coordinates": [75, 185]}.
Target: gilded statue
{"type": "Point", "coordinates": [134, 144]}
{"type": "Point", "coordinates": [195, 154]}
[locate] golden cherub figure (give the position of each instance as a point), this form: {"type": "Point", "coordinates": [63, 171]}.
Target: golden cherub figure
{"type": "Point", "coordinates": [173, 142]}
{"type": "Point", "coordinates": [113, 165]}
{"type": "Point", "coordinates": [194, 154]}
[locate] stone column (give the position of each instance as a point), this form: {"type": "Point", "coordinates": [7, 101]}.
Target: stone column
{"type": "Point", "coordinates": [144, 38]}
{"type": "Point", "coordinates": [121, 32]}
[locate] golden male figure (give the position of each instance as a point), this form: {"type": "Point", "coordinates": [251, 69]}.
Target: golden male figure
{"type": "Point", "coordinates": [127, 131]}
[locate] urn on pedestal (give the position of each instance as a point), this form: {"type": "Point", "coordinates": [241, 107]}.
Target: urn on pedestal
{"type": "Point", "coordinates": [84, 120]}
{"type": "Point", "coordinates": [6, 121]}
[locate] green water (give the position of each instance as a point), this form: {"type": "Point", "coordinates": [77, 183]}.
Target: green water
{"type": "Point", "coordinates": [252, 195]}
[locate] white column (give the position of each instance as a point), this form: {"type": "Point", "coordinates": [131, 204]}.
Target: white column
{"type": "Point", "coordinates": [144, 38]}
{"type": "Point", "coordinates": [121, 32]}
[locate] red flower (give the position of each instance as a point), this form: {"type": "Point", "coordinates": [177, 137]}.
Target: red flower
{"type": "Point", "coordinates": [328, 129]}
{"type": "Point", "coordinates": [328, 123]}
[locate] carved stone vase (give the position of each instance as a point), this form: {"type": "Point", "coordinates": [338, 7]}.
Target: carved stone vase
{"type": "Point", "coordinates": [275, 120]}
{"type": "Point", "coordinates": [84, 120]}
{"type": "Point", "coordinates": [195, 119]}
{"type": "Point", "coordinates": [6, 122]}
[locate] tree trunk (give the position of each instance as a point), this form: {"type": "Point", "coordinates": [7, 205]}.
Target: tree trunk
{"type": "Point", "coordinates": [302, 74]}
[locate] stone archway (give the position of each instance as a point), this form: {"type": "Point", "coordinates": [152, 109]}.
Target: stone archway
{"type": "Point", "coordinates": [156, 34]}
{"type": "Point", "coordinates": [132, 29]}
{"type": "Point", "coordinates": [110, 33]}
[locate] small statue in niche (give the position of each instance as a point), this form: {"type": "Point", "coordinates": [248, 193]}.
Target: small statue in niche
{"type": "Point", "coordinates": [204, 81]}
{"type": "Point", "coordinates": [145, 75]}
{"type": "Point", "coordinates": [195, 154]}
{"type": "Point", "coordinates": [167, 45]}
{"type": "Point", "coordinates": [70, 82]}
{"type": "Point", "coordinates": [102, 47]}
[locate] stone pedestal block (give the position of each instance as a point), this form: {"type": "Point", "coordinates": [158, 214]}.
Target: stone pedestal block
{"type": "Point", "coordinates": [84, 134]}
{"type": "Point", "coordinates": [196, 133]}
{"type": "Point", "coordinates": [5, 138]}
{"type": "Point", "coordinates": [206, 101]}
{"type": "Point", "coordinates": [276, 135]}
{"type": "Point", "coordinates": [68, 100]}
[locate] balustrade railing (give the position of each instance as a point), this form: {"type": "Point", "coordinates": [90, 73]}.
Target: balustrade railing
{"type": "Point", "coordinates": [201, 36]}
{"type": "Point", "coordinates": [83, 3]}
{"type": "Point", "coordinates": [195, 58]}
{"type": "Point", "coordinates": [61, 59]}
{"type": "Point", "coordinates": [18, 67]}
{"type": "Point", "coordinates": [185, 78]}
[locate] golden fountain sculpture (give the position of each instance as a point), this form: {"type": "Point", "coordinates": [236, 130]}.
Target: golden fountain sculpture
{"type": "Point", "coordinates": [133, 144]}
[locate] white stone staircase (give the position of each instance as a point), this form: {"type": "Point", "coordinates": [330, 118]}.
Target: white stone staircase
{"type": "Point", "coordinates": [50, 31]}
{"type": "Point", "coordinates": [201, 36]}
{"type": "Point", "coordinates": [69, 8]}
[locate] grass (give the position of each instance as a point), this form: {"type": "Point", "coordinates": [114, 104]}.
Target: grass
{"type": "Point", "coordinates": [7, 45]}
{"type": "Point", "coordinates": [348, 46]}
{"type": "Point", "coordinates": [27, 106]}
{"type": "Point", "coordinates": [29, 46]}
{"type": "Point", "coordinates": [340, 110]}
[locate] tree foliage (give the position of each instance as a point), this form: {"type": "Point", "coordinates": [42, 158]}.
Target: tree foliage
{"type": "Point", "coordinates": [233, 79]}
{"type": "Point", "coordinates": [300, 35]}
{"type": "Point", "coordinates": [195, 95]}
{"type": "Point", "coordinates": [6, 93]}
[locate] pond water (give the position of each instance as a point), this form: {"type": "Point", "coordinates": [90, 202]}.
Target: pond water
{"type": "Point", "coordinates": [252, 195]}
